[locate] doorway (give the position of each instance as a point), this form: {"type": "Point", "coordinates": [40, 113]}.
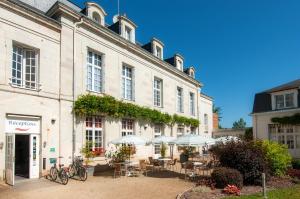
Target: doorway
{"type": "Point", "coordinates": [22, 156]}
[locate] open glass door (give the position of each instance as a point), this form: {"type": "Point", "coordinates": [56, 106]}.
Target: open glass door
{"type": "Point", "coordinates": [10, 159]}
{"type": "Point", "coordinates": [34, 156]}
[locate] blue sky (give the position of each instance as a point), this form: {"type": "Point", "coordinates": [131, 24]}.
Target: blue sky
{"type": "Point", "coordinates": [239, 47]}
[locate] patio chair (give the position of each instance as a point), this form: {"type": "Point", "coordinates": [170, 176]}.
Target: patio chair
{"type": "Point", "coordinates": [208, 167]}
{"type": "Point", "coordinates": [118, 170]}
{"type": "Point", "coordinates": [172, 164]}
{"type": "Point", "coordinates": [189, 168]}
{"type": "Point", "coordinates": [143, 167]}
{"type": "Point", "coordinates": [157, 164]}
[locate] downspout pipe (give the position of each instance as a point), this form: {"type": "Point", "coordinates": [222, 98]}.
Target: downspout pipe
{"type": "Point", "coordinates": [76, 24]}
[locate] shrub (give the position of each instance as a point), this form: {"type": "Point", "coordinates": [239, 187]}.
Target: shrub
{"type": "Point", "coordinates": [225, 176]}
{"type": "Point", "coordinates": [296, 164]}
{"type": "Point", "coordinates": [277, 155]}
{"type": "Point", "coordinates": [243, 156]}
{"type": "Point", "coordinates": [294, 173]}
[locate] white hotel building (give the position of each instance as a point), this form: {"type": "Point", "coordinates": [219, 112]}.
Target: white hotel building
{"type": "Point", "coordinates": [51, 52]}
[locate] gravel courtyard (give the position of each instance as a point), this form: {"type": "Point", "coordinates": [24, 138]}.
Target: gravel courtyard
{"type": "Point", "coordinates": [98, 187]}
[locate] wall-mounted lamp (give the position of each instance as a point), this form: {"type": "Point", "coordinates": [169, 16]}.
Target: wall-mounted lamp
{"type": "Point", "coordinates": [53, 120]}
{"type": "Point", "coordinates": [1, 145]}
{"type": "Point", "coordinates": [44, 144]}
{"type": "Point", "coordinates": [145, 127]}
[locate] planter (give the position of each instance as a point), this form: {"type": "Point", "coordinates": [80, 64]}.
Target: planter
{"type": "Point", "coordinates": [90, 170]}
{"type": "Point", "coordinates": [184, 157]}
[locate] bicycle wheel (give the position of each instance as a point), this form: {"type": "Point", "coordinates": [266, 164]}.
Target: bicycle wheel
{"type": "Point", "coordinates": [64, 178]}
{"type": "Point", "coordinates": [72, 170]}
{"type": "Point", "coordinates": [82, 173]}
{"type": "Point", "coordinates": [53, 173]}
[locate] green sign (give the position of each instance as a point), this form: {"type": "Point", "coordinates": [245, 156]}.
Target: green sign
{"type": "Point", "coordinates": [52, 160]}
{"type": "Point", "coordinates": [52, 149]}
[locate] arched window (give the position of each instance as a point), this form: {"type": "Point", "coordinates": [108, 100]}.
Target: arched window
{"type": "Point", "coordinates": [96, 17]}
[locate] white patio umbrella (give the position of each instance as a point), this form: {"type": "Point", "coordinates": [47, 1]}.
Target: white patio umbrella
{"type": "Point", "coordinates": [226, 139]}
{"type": "Point", "coordinates": [194, 140]}
{"type": "Point", "coordinates": [162, 139]}
{"type": "Point", "coordinates": [130, 139]}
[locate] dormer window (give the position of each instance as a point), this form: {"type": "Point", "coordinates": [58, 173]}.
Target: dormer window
{"type": "Point", "coordinates": [96, 17]}
{"type": "Point", "coordinates": [284, 101]}
{"type": "Point", "coordinates": [179, 65]}
{"type": "Point", "coordinates": [192, 74]}
{"type": "Point", "coordinates": [158, 52]}
{"type": "Point", "coordinates": [128, 33]}
{"type": "Point", "coordinates": [96, 13]}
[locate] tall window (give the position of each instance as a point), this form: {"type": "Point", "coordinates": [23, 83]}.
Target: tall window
{"type": "Point", "coordinates": [127, 127]}
{"type": "Point", "coordinates": [127, 83]}
{"type": "Point", "coordinates": [158, 52]}
{"type": "Point", "coordinates": [284, 101]}
{"type": "Point", "coordinates": [192, 104]}
{"type": "Point", "coordinates": [180, 130]}
{"type": "Point", "coordinates": [94, 72]}
{"type": "Point", "coordinates": [24, 67]}
{"type": "Point", "coordinates": [157, 92]}
{"type": "Point", "coordinates": [128, 33]}
{"type": "Point", "coordinates": [94, 132]}
{"type": "Point", "coordinates": [157, 133]}
{"type": "Point", "coordinates": [205, 123]}
{"type": "Point", "coordinates": [179, 100]}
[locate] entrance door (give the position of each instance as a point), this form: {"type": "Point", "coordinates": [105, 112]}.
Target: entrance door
{"type": "Point", "coordinates": [34, 156]}
{"type": "Point", "coordinates": [22, 155]}
{"type": "Point", "coordinates": [10, 159]}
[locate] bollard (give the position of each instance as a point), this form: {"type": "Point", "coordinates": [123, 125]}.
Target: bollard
{"type": "Point", "coordinates": [264, 185]}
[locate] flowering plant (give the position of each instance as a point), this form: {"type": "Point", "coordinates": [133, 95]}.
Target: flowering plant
{"type": "Point", "coordinates": [232, 190]}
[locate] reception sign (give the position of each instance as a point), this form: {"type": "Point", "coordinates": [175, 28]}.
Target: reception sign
{"type": "Point", "coordinates": [22, 126]}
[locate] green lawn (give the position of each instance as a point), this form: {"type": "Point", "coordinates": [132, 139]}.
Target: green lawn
{"type": "Point", "coordinates": [288, 193]}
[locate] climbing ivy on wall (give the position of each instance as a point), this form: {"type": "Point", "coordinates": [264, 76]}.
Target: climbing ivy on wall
{"type": "Point", "coordinates": [292, 120]}
{"type": "Point", "coordinates": [91, 105]}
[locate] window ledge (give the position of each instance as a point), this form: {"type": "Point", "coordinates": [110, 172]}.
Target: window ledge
{"type": "Point", "coordinates": [24, 88]}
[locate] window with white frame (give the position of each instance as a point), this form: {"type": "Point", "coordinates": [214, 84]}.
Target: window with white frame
{"type": "Point", "coordinates": [127, 83]}
{"type": "Point", "coordinates": [205, 123]}
{"type": "Point", "coordinates": [157, 92]}
{"type": "Point", "coordinates": [157, 133]}
{"type": "Point", "coordinates": [158, 52]}
{"type": "Point", "coordinates": [127, 33]}
{"type": "Point", "coordinates": [24, 68]}
{"type": "Point", "coordinates": [94, 72]}
{"type": "Point", "coordinates": [285, 134]}
{"type": "Point", "coordinates": [94, 132]}
{"type": "Point", "coordinates": [284, 101]}
{"type": "Point", "coordinates": [192, 104]}
{"type": "Point", "coordinates": [180, 65]}
{"type": "Point", "coordinates": [127, 127]}
{"type": "Point", "coordinates": [180, 130]}
{"type": "Point", "coordinates": [179, 100]}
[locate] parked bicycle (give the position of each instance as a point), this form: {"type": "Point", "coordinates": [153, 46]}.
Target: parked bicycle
{"type": "Point", "coordinates": [77, 169]}
{"type": "Point", "coordinates": [59, 172]}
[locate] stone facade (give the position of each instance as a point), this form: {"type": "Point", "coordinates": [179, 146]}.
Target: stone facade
{"type": "Point", "coordinates": [62, 40]}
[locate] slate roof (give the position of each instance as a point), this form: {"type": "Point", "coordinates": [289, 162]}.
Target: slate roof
{"type": "Point", "coordinates": [263, 102]}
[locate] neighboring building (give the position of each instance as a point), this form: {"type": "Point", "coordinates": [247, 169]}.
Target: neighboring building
{"type": "Point", "coordinates": [228, 132]}
{"type": "Point", "coordinates": [206, 115]}
{"type": "Point", "coordinates": [278, 102]}
{"type": "Point", "coordinates": [215, 121]}
{"type": "Point", "coordinates": [51, 52]}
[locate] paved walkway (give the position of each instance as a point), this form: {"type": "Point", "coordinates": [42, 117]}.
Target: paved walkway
{"type": "Point", "coordinates": [99, 187]}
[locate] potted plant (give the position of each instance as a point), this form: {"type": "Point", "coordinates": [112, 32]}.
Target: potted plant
{"type": "Point", "coordinates": [163, 150]}
{"type": "Point", "coordinates": [88, 154]}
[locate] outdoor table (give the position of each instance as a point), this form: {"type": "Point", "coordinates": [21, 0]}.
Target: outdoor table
{"type": "Point", "coordinates": [164, 160]}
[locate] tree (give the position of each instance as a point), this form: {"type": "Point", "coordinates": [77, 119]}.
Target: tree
{"type": "Point", "coordinates": [240, 124]}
